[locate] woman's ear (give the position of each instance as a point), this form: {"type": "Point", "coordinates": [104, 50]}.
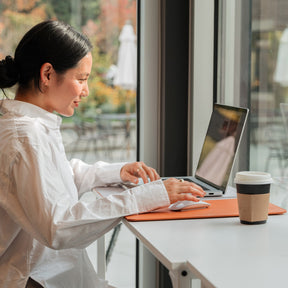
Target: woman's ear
{"type": "Point", "coordinates": [45, 73]}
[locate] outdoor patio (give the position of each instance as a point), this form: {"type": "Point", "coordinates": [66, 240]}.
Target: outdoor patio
{"type": "Point", "coordinates": [110, 138]}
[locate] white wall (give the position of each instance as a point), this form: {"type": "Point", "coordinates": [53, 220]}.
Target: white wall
{"type": "Point", "coordinates": [201, 76]}
{"type": "Point", "coordinates": [149, 87]}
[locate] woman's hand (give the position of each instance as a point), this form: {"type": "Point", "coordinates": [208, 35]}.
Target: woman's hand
{"type": "Point", "coordinates": [179, 190]}
{"type": "Point", "coordinates": [131, 172]}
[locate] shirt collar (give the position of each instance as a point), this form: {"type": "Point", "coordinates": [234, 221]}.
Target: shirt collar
{"type": "Point", "coordinates": [30, 110]}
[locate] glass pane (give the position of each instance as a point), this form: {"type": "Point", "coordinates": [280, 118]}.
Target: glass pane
{"type": "Point", "coordinates": [104, 126]}
{"type": "Point", "coordinates": [264, 72]}
{"type": "Point", "coordinates": [269, 66]}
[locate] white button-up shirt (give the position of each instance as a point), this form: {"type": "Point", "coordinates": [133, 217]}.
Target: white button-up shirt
{"type": "Point", "coordinates": [44, 227]}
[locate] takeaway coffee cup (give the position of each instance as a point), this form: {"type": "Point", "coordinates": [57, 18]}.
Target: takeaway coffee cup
{"type": "Point", "coordinates": [253, 192]}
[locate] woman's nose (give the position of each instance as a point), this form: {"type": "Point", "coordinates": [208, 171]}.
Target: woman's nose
{"type": "Point", "coordinates": [85, 91]}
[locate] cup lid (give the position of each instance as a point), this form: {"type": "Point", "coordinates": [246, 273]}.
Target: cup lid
{"type": "Point", "coordinates": [253, 178]}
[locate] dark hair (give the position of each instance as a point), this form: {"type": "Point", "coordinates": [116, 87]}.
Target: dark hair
{"type": "Point", "coordinates": [50, 41]}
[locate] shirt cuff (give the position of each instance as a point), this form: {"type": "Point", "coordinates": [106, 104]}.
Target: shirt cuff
{"type": "Point", "coordinates": [151, 196]}
{"type": "Point", "coordinates": [109, 173]}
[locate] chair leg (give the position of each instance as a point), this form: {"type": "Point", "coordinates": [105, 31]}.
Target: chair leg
{"type": "Point", "coordinates": [112, 242]}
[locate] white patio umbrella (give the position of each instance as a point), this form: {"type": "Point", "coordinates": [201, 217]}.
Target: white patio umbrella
{"type": "Point", "coordinates": [281, 71]}
{"type": "Point", "coordinates": [127, 59]}
{"type": "Point", "coordinates": [126, 73]}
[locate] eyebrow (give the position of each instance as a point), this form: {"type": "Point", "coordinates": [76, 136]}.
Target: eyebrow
{"type": "Point", "coordinates": [83, 74]}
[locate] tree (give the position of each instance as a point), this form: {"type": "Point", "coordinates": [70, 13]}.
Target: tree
{"type": "Point", "coordinates": [62, 9]}
{"type": "Point", "coordinates": [14, 24]}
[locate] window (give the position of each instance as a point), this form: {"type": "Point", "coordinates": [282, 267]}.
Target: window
{"type": "Point", "coordinates": [252, 71]}
{"type": "Point", "coordinates": [104, 127]}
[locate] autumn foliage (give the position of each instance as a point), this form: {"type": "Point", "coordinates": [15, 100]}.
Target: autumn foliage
{"type": "Point", "coordinates": [102, 27]}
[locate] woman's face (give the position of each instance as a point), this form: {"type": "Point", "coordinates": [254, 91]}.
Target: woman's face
{"type": "Point", "coordinates": [66, 91]}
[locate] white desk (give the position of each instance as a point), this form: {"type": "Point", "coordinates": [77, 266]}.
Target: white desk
{"type": "Point", "coordinates": [220, 252]}
{"type": "Point", "coordinates": [243, 256]}
{"type": "Point", "coordinates": [162, 240]}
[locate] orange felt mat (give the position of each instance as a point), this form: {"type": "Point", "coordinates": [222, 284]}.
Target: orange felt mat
{"type": "Point", "coordinates": [218, 208]}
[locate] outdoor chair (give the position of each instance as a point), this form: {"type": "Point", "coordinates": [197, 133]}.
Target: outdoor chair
{"type": "Point", "coordinates": [88, 138]}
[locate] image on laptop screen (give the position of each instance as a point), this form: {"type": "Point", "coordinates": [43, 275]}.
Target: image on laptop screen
{"type": "Point", "coordinates": [220, 145]}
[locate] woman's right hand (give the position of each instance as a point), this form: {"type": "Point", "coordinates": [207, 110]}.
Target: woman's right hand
{"type": "Point", "coordinates": [179, 190]}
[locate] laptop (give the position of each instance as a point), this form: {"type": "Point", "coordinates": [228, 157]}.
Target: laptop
{"type": "Point", "coordinates": [219, 149]}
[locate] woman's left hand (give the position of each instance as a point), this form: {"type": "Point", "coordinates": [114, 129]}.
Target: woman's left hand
{"type": "Point", "coordinates": [131, 172]}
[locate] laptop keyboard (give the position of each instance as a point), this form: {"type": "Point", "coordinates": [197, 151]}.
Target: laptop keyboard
{"type": "Point", "coordinates": [202, 186]}
{"type": "Point", "coordinates": [205, 188]}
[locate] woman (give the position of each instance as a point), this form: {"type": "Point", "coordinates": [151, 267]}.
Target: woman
{"type": "Point", "coordinates": [44, 226]}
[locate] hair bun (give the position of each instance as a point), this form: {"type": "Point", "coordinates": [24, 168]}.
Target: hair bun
{"type": "Point", "coordinates": [11, 66]}
{"type": "Point", "coordinates": [8, 72]}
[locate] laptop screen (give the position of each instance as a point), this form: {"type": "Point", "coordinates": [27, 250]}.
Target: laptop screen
{"type": "Point", "coordinates": [221, 144]}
